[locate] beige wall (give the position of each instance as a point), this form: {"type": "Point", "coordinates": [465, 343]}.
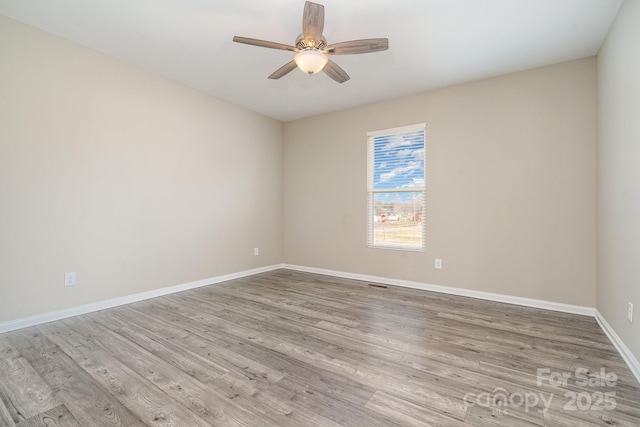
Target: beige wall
{"type": "Point", "coordinates": [511, 178]}
{"type": "Point", "coordinates": [619, 175]}
{"type": "Point", "coordinates": [129, 179]}
{"type": "Point", "coordinates": [136, 182]}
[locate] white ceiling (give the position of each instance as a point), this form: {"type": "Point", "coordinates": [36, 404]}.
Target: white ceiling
{"type": "Point", "coordinates": [432, 43]}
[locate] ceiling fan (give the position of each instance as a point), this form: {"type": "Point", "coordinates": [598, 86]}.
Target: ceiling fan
{"type": "Point", "coordinates": [311, 47]}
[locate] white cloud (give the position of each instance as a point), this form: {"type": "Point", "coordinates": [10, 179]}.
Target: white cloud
{"type": "Point", "coordinates": [415, 183]}
{"type": "Point", "coordinates": [396, 141]}
{"type": "Point", "coordinates": [388, 176]}
{"type": "Point", "coordinates": [400, 171]}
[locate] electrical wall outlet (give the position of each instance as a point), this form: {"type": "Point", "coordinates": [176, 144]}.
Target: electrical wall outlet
{"type": "Point", "coordinates": [70, 279]}
{"type": "Point", "coordinates": [438, 263]}
{"type": "Point", "coordinates": [256, 251]}
{"type": "Point", "coordinates": [630, 313]}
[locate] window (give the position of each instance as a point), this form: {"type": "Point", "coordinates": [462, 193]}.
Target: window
{"type": "Point", "coordinates": [396, 192]}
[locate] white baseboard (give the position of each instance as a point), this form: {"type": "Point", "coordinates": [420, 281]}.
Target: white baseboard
{"type": "Point", "coordinates": [528, 302]}
{"type": "Point", "coordinates": [624, 351]}
{"type": "Point", "coordinates": [101, 305]}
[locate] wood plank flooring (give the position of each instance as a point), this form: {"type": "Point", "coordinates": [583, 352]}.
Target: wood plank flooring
{"type": "Point", "coordinates": [287, 348]}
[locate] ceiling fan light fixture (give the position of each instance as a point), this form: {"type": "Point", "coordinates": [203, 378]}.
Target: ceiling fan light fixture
{"type": "Point", "coordinates": [312, 50]}
{"type": "Point", "coordinates": [311, 61]}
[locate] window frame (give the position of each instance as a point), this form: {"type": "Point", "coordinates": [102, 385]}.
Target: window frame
{"type": "Point", "coordinates": [371, 191]}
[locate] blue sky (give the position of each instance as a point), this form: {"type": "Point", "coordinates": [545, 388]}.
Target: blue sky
{"type": "Point", "coordinates": [399, 161]}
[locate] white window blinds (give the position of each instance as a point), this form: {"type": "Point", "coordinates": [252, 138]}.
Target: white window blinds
{"type": "Point", "coordinates": [396, 188]}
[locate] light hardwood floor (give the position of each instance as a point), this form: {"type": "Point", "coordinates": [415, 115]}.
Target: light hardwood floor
{"type": "Point", "coordinates": [286, 348]}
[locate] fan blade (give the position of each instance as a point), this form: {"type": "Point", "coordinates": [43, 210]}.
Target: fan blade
{"type": "Point", "coordinates": [285, 69]}
{"type": "Point", "coordinates": [313, 21]}
{"type": "Point", "coordinates": [264, 43]}
{"type": "Point", "coordinates": [357, 46]}
{"type": "Point", "coordinates": [334, 71]}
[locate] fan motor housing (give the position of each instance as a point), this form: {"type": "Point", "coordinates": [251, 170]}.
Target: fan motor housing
{"type": "Point", "coordinates": [302, 43]}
